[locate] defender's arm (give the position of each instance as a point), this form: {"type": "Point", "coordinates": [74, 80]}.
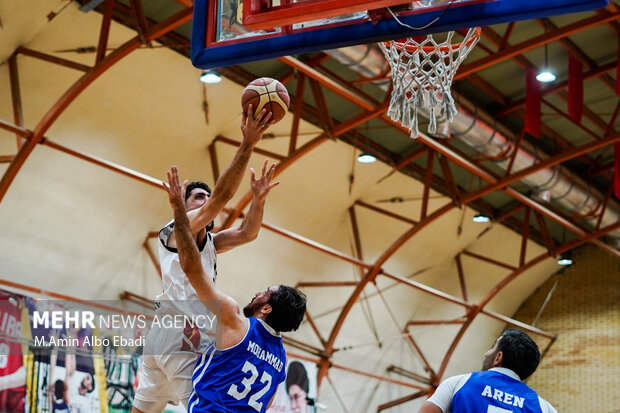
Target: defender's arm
{"type": "Point", "coordinates": [189, 257]}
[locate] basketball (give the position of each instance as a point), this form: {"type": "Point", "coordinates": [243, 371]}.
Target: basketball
{"type": "Point", "coordinates": [267, 93]}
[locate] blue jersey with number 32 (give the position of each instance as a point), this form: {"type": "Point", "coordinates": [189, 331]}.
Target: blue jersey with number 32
{"type": "Point", "coordinates": [242, 378]}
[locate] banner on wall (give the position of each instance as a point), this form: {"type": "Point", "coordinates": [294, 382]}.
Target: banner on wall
{"type": "Point", "coordinates": [61, 378]}
{"type": "Point", "coordinates": [12, 368]}
{"type": "Point", "coordinates": [50, 362]}
{"type": "Point", "coordinates": [297, 393]}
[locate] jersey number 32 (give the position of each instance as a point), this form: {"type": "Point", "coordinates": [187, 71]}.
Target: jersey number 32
{"type": "Point", "coordinates": [247, 383]}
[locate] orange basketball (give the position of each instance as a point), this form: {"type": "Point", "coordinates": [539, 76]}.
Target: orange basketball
{"type": "Point", "coordinates": [267, 93]}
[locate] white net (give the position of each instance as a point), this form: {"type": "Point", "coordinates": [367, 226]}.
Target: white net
{"type": "Point", "coordinates": [422, 74]}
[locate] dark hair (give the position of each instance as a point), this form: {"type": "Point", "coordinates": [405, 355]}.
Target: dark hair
{"type": "Point", "coordinates": [520, 353]}
{"type": "Point", "coordinates": [298, 375]}
{"type": "Point", "coordinates": [59, 389]}
{"type": "Point", "coordinates": [196, 184]}
{"type": "Point", "coordinates": [288, 306]}
{"type": "Point", "coordinates": [188, 191]}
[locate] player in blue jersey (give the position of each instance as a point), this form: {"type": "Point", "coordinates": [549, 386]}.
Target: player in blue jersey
{"type": "Point", "coordinates": [499, 387]}
{"type": "Point", "coordinates": [242, 373]}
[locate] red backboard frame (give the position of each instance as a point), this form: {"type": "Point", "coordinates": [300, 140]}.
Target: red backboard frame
{"type": "Point", "coordinates": [261, 15]}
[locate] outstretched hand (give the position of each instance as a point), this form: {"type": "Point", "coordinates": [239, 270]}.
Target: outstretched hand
{"type": "Point", "coordinates": [176, 191]}
{"type": "Point", "coordinates": [262, 186]}
{"type": "Point", "coordinates": [254, 127]}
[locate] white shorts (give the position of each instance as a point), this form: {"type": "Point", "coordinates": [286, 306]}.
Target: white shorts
{"type": "Point", "coordinates": [166, 378]}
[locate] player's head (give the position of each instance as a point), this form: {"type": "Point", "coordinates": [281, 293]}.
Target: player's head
{"type": "Point", "coordinates": [196, 194]}
{"type": "Point", "coordinates": [281, 307]}
{"type": "Point", "coordinates": [513, 350]}
{"type": "Point", "coordinates": [297, 386]}
{"type": "Point", "coordinates": [59, 389]}
{"type": "Point", "coordinates": [88, 383]}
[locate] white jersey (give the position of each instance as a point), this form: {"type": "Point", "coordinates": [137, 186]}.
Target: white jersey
{"type": "Point", "coordinates": [179, 298]}
{"type": "Point", "coordinates": [170, 354]}
{"type": "Point", "coordinates": [175, 284]}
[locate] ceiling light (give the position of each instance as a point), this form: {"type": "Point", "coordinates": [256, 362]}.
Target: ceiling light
{"type": "Point", "coordinates": [481, 218]}
{"type": "Point", "coordinates": [545, 76]}
{"type": "Point", "coordinates": [210, 77]}
{"type": "Point", "coordinates": [565, 260]}
{"type": "Point", "coordinates": [366, 158]}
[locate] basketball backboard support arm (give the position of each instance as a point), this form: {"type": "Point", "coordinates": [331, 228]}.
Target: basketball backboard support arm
{"type": "Point", "coordinates": [208, 52]}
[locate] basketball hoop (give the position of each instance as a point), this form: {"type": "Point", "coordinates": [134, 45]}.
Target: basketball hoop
{"type": "Point", "coordinates": [422, 74]}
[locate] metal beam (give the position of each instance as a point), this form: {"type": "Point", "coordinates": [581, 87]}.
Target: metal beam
{"type": "Point", "coordinates": [16, 97]}
{"type": "Point", "coordinates": [400, 401]}
{"type": "Point", "coordinates": [315, 245]}
{"type": "Point", "coordinates": [104, 32]}
{"type": "Point", "coordinates": [298, 106]}
{"type": "Point", "coordinates": [53, 59]}
{"type": "Point", "coordinates": [555, 88]}
{"type": "Point", "coordinates": [308, 147]}
{"type": "Point", "coordinates": [78, 87]}
{"type": "Point", "coordinates": [535, 42]}
{"type": "Point", "coordinates": [58, 296]}
{"type": "Point", "coordinates": [509, 278]}
{"type": "Point", "coordinates": [478, 171]}
{"type": "Point", "coordinates": [547, 163]}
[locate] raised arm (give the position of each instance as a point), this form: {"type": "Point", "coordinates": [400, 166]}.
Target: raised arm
{"type": "Point", "coordinates": [227, 184]}
{"type": "Point", "coordinates": [189, 258]}
{"type": "Point", "coordinates": [248, 230]}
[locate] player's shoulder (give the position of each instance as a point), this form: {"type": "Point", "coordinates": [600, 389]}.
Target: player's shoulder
{"type": "Point", "coordinates": [453, 384]}
{"type": "Point", "coordinates": [458, 379]}
{"type": "Point", "coordinates": [164, 233]}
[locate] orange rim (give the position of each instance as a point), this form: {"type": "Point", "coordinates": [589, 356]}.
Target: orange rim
{"type": "Point", "coordinates": [430, 49]}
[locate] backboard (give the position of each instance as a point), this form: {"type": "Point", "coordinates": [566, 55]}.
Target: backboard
{"type": "Point", "coordinates": [228, 32]}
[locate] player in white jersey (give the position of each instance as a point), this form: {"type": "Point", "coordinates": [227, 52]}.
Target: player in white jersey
{"type": "Point", "coordinates": [170, 354]}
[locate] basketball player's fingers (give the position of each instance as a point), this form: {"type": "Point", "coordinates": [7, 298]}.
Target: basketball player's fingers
{"type": "Point", "coordinates": [276, 183]}
{"type": "Point", "coordinates": [247, 115]}
{"type": "Point", "coordinates": [272, 171]}
{"type": "Point", "coordinates": [177, 181]}
{"type": "Point", "coordinates": [268, 124]}
{"type": "Point", "coordinates": [252, 175]}
{"type": "Point", "coordinates": [175, 177]}
{"type": "Point", "coordinates": [262, 172]}
{"type": "Point", "coordinates": [268, 117]}
{"type": "Point", "coordinates": [260, 119]}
